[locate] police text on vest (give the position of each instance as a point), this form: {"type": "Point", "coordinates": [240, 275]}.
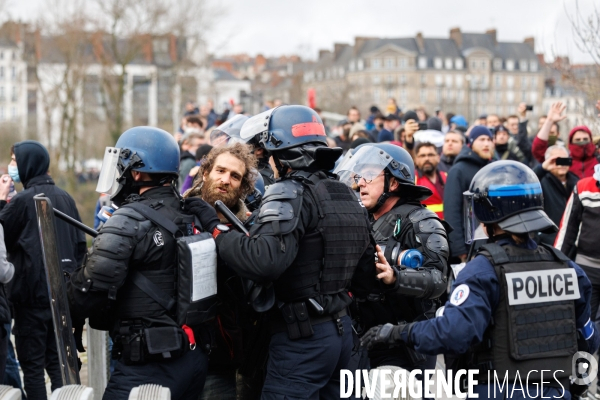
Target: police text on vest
{"type": "Point", "coordinates": [542, 286]}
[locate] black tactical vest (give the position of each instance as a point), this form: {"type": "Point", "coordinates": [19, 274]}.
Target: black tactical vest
{"type": "Point", "coordinates": [328, 256]}
{"type": "Point", "coordinates": [392, 225]}
{"type": "Point", "coordinates": [540, 332]}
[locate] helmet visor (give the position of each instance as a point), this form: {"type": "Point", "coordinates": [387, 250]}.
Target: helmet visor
{"type": "Point", "coordinates": [367, 162]}
{"type": "Point", "coordinates": [228, 131]}
{"type": "Point", "coordinates": [473, 227]}
{"type": "Point", "coordinates": [107, 181]}
{"type": "Point", "coordinates": [256, 125]}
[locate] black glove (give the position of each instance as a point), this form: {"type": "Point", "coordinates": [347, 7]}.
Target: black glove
{"type": "Point", "coordinates": [78, 334]}
{"type": "Point", "coordinates": [205, 213]}
{"type": "Point", "coordinates": [386, 334]}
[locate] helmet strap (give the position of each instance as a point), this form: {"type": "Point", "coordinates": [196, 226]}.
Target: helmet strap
{"type": "Point", "coordinates": [385, 195]}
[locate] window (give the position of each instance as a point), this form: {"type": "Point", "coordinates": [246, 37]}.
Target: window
{"type": "Point", "coordinates": [14, 55]}
{"type": "Point", "coordinates": [484, 81]}
{"type": "Point", "coordinates": [459, 81]}
{"type": "Point", "coordinates": [498, 81]}
{"type": "Point", "coordinates": [533, 97]}
{"type": "Point", "coordinates": [2, 113]}
{"type": "Point", "coordinates": [320, 75]}
{"type": "Point", "coordinates": [448, 63]}
{"type": "Point", "coordinates": [458, 63]}
{"type": "Point", "coordinates": [351, 66]}
{"type": "Point", "coordinates": [13, 72]}
{"type": "Point", "coordinates": [2, 93]}
{"type": "Point", "coordinates": [376, 80]}
{"type": "Point", "coordinates": [375, 63]}
{"type": "Point", "coordinates": [523, 65]}
{"type": "Point", "coordinates": [376, 95]}
{"type": "Point", "coordinates": [510, 65]}
{"type": "Point", "coordinates": [524, 97]}
{"type": "Point", "coordinates": [389, 63]}
{"type": "Point", "coordinates": [423, 95]}
{"type": "Point", "coordinates": [510, 96]}
{"type": "Point", "coordinates": [449, 94]}
{"type": "Point", "coordinates": [14, 93]}
{"type": "Point", "coordinates": [498, 96]}
{"type": "Point", "coordinates": [533, 66]}
{"type": "Point", "coordinates": [439, 80]}
{"type": "Point", "coordinates": [438, 96]}
{"type": "Point", "coordinates": [483, 96]}
{"type": "Point", "coordinates": [498, 64]}
{"type": "Point", "coordinates": [484, 64]}
{"type": "Point", "coordinates": [403, 62]}
{"type": "Point", "coordinates": [437, 63]}
{"type": "Point", "coordinates": [403, 95]}
{"type": "Point", "coordinates": [524, 82]}
{"type": "Point", "coordinates": [13, 113]}
{"type": "Point", "coordinates": [460, 96]}
{"type": "Point", "coordinates": [422, 62]}
{"type": "Point", "coordinates": [510, 82]}
{"type": "Point", "coordinates": [389, 80]}
{"type": "Point", "coordinates": [2, 72]}
{"type": "Point", "coordinates": [474, 81]}
{"type": "Point", "coordinates": [403, 79]}
{"type": "Point", "coordinates": [473, 64]}
{"type": "Point", "coordinates": [361, 65]}
{"type": "Point", "coordinates": [423, 79]}
{"type": "Point", "coordinates": [1, 55]}
{"type": "Point", "coordinates": [534, 82]}
{"type": "Point", "coordinates": [390, 93]}
{"type": "Point", "coordinates": [449, 81]}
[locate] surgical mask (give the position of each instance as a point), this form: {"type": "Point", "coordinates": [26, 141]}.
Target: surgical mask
{"type": "Point", "coordinates": [13, 171]}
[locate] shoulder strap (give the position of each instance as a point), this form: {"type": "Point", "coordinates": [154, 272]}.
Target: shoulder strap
{"type": "Point", "coordinates": [153, 291]}
{"type": "Point", "coordinates": [497, 253]}
{"type": "Point", "coordinates": [559, 255]}
{"type": "Point", "coordinates": [154, 216]}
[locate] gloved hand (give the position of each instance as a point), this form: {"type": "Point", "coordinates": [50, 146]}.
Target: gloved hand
{"type": "Point", "coordinates": [78, 334]}
{"type": "Point", "coordinates": [204, 211]}
{"type": "Point", "coordinates": [387, 334]}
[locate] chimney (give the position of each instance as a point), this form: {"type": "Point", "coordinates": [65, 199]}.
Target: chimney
{"type": "Point", "coordinates": [492, 33]}
{"type": "Point", "coordinates": [359, 42]}
{"type": "Point", "coordinates": [531, 42]}
{"type": "Point", "coordinates": [337, 49]}
{"type": "Point", "coordinates": [456, 35]}
{"type": "Point", "coordinates": [420, 42]}
{"type": "Point", "coordinates": [323, 53]}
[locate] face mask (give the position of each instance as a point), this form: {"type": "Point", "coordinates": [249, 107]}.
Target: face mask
{"type": "Point", "coordinates": [14, 173]}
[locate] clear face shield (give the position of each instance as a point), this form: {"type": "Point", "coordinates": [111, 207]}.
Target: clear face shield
{"type": "Point", "coordinates": [366, 163]}
{"type": "Point", "coordinates": [107, 181]}
{"type": "Point", "coordinates": [229, 132]}
{"type": "Point", "coordinates": [256, 125]}
{"type": "Point", "coordinates": [473, 228]}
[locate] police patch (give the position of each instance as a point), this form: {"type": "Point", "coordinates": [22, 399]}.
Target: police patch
{"type": "Point", "coordinates": [158, 238]}
{"type": "Point", "coordinates": [459, 295]}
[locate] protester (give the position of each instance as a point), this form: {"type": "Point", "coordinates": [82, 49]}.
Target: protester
{"type": "Point", "coordinates": [427, 160]}
{"type": "Point", "coordinates": [557, 185]}
{"type": "Point", "coordinates": [458, 120]}
{"type": "Point", "coordinates": [370, 123]}
{"type": "Point", "coordinates": [471, 159]}
{"type": "Point", "coordinates": [392, 107]}
{"type": "Point", "coordinates": [433, 133]}
{"type": "Point", "coordinates": [454, 141]}
{"type": "Point", "coordinates": [492, 121]}
{"type": "Point", "coordinates": [189, 144]}
{"type": "Point", "coordinates": [506, 147]}
{"type": "Point", "coordinates": [189, 179]}
{"type": "Point", "coordinates": [28, 290]}
{"type": "Point", "coordinates": [392, 121]}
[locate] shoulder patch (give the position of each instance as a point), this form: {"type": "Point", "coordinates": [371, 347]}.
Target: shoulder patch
{"type": "Point", "coordinates": [459, 295]}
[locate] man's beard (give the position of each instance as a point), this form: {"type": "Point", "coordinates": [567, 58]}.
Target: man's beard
{"type": "Point", "coordinates": [210, 194]}
{"type": "Point", "coordinates": [428, 169]}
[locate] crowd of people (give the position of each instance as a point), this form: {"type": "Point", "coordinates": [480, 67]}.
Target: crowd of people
{"type": "Point", "coordinates": [338, 252]}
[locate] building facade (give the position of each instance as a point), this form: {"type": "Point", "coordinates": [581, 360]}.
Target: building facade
{"type": "Point", "coordinates": [467, 73]}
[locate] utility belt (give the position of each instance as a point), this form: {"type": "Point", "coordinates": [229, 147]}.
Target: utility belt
{"type": "Point", "coordinates": [298, 321]}
{"type": "Point", "coordinates": [135, 344]}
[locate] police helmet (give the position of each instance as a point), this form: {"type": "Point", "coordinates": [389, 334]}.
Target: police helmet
{"type": "Point", "coordinates": [228, 131]}
{"type": "Point", "coordinates": [294, 135]}
{"type": "Point", "coordinates": [509, 194]}
{"type": "Point", "coordinates": [143, 149]}
{"type": "Point", "coordinates": [370, 159]}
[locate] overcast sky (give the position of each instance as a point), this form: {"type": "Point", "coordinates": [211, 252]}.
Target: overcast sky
{"type": "Point", "coordinates": [275, 27]}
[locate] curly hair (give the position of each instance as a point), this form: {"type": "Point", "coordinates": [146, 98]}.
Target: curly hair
{"type": "Point", "coordinates": [240, 151]}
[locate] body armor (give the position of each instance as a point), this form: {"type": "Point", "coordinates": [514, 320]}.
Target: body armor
{"type": "Point", "coordinates": [535, 335]}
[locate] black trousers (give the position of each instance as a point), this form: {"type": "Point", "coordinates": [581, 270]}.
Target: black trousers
{"type": "Point", "coordinates": [184, 376]}
{"type": "Point", "coordinates": [36, 349]}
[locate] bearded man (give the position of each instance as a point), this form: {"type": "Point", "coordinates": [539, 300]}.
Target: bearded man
{"type": "Point", "coordinates": [228, 174]}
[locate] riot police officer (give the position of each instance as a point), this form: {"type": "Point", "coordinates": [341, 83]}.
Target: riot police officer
{"type": "Point", "coordinates": [309, 237]}
{"type": "Point", "coordinates": [132, 279]}
{"type": "Point", "coordinates": [384, 176]}
{"type": "Point", "coordinates": [516, 308]}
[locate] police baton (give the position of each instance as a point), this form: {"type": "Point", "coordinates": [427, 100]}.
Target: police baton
{"type": "Point", "coordinates": [75, 223]}
{"type": "Point", "coordinates": [230, 216]}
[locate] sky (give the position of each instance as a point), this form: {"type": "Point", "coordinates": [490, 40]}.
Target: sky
{"type": "Point", "coordinates": [284, 27]}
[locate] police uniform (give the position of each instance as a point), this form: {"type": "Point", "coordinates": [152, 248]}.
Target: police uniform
{"type": "Point", "coordinates": [310, 236]}
{"type": "Point", "coordinates": [515, 309]}
{"type": "Point", "coordinates": [128, 284]}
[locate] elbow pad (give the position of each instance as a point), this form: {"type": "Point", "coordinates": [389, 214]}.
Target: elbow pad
{"type": "Point", "coordinates": [420, 283]}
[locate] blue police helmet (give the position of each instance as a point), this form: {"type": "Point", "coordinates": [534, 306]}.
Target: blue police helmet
{"type": "Point", "coordinates": [402, 167]}
{"type": "Point", "coordinates": [509, 193]}
{"type": "Point", "coordinates": [157, 150]}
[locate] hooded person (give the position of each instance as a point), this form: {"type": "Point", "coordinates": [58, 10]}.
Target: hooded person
{"type": "Point", "coordinates": [28, 290]}
{"type": "Point", "coordinates": [583, 151]}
